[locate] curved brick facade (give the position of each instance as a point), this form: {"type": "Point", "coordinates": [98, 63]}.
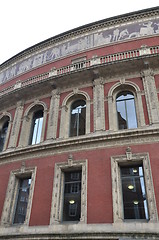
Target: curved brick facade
{"type": "Point", "coordinates": [96, 65]}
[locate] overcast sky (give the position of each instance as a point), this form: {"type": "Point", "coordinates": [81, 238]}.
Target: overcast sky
{"type": "Point", "coordinates": [24, 23]}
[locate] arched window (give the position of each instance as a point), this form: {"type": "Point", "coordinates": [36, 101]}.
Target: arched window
{"type": "Point", "coordinates": [78, 118]}
{"type": "Point", "coordinates": [3, 133]}
{"type": "Point", "coordinates": [36, 128]}
{"type": "Point", "coordinates": [126, 112]}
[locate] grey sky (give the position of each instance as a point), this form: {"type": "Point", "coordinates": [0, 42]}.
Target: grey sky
{"type": "Point", "coordinates": [27, 22]}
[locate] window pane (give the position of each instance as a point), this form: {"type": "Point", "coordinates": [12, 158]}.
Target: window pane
{"type": "Point", "coordinates": [22, 200]}
{"type": "Point", "coordinates": [126, 112]}
{"type": "Point", "coordinates": [121, 111]}
{"type": "Point", "coordinates": [78, 118]}
{"type": "Point", "coordinates": [131, 113]}
{"type": "Point", "coordinates": [134, 193]}
{"type": "Point", "coordinates": [72, 196]}
{"type": "Point", "coordinates": [3, 134]}
{"type": "Point", "coordinates": [37, 127]}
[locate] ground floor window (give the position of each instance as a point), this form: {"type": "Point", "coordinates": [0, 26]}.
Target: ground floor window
{"type": "Point", "coordinates": [134, 192]}
{"type": "Point", "coordinates": [18, 201]}
{"type": "Point", "coordinates": [22, 200]}
{"type": "Point", "coordinates": [69, 199]}
{"type": "Point", "coordinates": [132, 188]}
{"type": "Point", "coordinates": [72, 196]}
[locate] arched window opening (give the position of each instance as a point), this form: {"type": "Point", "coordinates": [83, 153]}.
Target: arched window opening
{"type": "Point", "coordinates": [78, 118]}
{"type": "Point", "coordinates": [3, 133]}
{"type": "Point", "coordinates": [36, 129]}
{"type": "Point", "coordinates": [126, 112]}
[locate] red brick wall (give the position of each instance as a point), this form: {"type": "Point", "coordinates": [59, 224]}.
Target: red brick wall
{"type": "Point", "coordinates": [99, 181]}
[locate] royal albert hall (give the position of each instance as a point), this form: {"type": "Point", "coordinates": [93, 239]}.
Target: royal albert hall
{"type": "Point", "coordinates": [79, 134]}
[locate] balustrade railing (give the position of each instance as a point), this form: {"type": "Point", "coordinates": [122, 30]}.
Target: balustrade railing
{"type": "Point", "coordinates": [82, 65]}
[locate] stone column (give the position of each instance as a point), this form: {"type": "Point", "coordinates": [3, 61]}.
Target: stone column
{"type": "Point", "coordinates": [16, 125]}
{"type": "Point", "coordinates": [53, 115]}
{"type": "Point", "coordinates": [98, 102]}
{"type": "Point", "coordinates": [151, 95]}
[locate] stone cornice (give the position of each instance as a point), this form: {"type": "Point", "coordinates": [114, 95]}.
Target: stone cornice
{"type": "Point", "coordinates": [142, 14]}
{"type": "Point", "coordinates": [100, 139]}
{"type": "Point", "coordinates": [134, 230]}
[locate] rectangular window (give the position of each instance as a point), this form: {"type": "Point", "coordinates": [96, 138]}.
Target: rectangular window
{"type": "Point", "coordinates": [72, 196]}
{"type": "Point", "coordinates": [134, 192]}
{"type": "Point", "coordinates": [19, 195]}
{"type": "Point", "coordinates": [22, 200]}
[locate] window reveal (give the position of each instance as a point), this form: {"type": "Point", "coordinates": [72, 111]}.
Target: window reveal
{"type": "Point", "coordinates": [72, 196]}
{"type": "Point", "coordinates": [126, 112]}
{"type": "Point", "coordinates": [134, 193]}
{"type": "Point", "coordinates": [78, 118]}
{"type": "Point", "coordinates": [22, 200]}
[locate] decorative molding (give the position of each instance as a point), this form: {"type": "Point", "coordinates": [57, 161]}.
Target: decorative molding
{"type": "Point", "coordinates": [151, 95]}
{"type": "Point", "coordinates": [27, 121]}
{"type": "Point", "coordinates": [57, 196]}
{"type": "Point", "coordinates": [113, 91]}
{"type": "Point", "coordinates": [129, 158]}
{"type": "Point", "coordinates": [100, 140]}
{"type": "Point", "coordinates": [65, 111]}
{"type": "Point", "coordinates": [12, 191]}
{"type": "Point", "coordinates": [98, 104]}
{"type": "Point", "coordinates": [16, 125]}
{"type": "Point", "coordinates": [87, 38]}
{"type": "Point", "coordinates": [53, 115]}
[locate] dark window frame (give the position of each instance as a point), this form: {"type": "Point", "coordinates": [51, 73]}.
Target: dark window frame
{"type": "Point", "coordinates": [134, 197]}
{"type": "Point", "coordinates": [72, 197]}
{"type": "Point", "coordinates": [19, 204]}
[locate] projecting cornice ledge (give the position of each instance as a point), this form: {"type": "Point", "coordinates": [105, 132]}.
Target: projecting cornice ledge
{"type": "Point", "coordinates": [120, 231]}
{"type": "Point", "coordinates": [100, 139]}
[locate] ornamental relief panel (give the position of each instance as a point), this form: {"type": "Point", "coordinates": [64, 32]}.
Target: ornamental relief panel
{"type": "Point", "coordinates": [81, 43]}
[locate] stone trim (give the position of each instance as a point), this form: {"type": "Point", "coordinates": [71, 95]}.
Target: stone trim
{"type": "Point", "coordinates": [53, 115]}
{"type": "Point", "coordinates": [57, 196]}
{"type": "Point", "coordinates": [100, 140]}
{"type": "Point", "coordinates": [114, 90]}
{"type": "Point", "coordinates": [150, 95]}
{"type": "Point", "coordinates": [27, 121]}
{"type": "Point", "coordinates": [65, 111]}
{"type": "Point", "coordinates": [12, 191]}
{"type": "Point", "coordinates": [99, 113]}
{"type": "Point", "coordinates": [128, 159]}
{"type": "Point", "coordinates": [16, 125]}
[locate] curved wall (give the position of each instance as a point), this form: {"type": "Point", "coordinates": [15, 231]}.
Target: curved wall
{"type": "Point", "coordinates": [94, 63]}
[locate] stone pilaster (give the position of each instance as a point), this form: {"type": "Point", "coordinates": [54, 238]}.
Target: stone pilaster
{"type": "Point", "coordinates": [53, 115]}
{"type": "Point", "coordinates": [98, 99]}
{"type": "Point", "coordinates": [150, 95]}
{"type": "Point", "coordinates": [63, 122]}
{"type": "Point", "coordinates": [16, 125]}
